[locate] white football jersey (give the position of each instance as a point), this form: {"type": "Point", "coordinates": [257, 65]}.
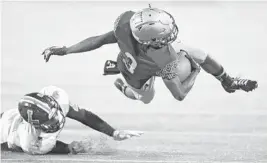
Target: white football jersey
{"type": "Point", "coordinates": [17, 132]}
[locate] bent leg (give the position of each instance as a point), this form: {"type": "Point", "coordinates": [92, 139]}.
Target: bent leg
{"type": "Point", "coordinates": [214, 68]}
{"type": "Point", "coordinates": [144, 94]}
{"type": "Point", "coordinates": [147, 92]}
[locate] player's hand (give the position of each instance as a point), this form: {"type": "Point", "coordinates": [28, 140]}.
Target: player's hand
{"type": "Point", "coordinates": [54, 50]}
{"type": "Point", "coordinates": [76, 147]}
{"type": "Point", "coordinates": [195, 66]}
{"type": "Point", "coordinates": [126, 134]}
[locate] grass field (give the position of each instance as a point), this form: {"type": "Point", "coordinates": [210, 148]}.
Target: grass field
{"type": "Point", "coordinates": [210, 125]}
{"type": "Point", "coordinates": [168, 138]}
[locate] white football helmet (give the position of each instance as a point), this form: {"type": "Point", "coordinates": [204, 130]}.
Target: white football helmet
{"type": "Point", "coordinates": [153, 27]}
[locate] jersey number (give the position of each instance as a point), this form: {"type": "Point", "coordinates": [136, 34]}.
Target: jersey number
{"type": "Point", "coordinates": [129, 62]}
{"type": "Point", "coordinates": [30, 120]}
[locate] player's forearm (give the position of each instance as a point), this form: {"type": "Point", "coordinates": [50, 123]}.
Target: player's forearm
{"type": "Point", "coordinates": [96, 123]}
{"type": "Point", "coordinates": [92, 43]}
{"type": "Point", "coordinates": [90, 119]}
{"type": "Point", "coordinates": [189, 82]}
{"type": "Point", "coordinates": [4, 147]}
{"type": "Point", "coordinates": [88, 44]}
{"type": "Point", "coordinates": [180, 90]}
{"type": "Point", "coordinates": [60, 148]}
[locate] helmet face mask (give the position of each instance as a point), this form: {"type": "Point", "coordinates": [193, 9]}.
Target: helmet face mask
{"type": "Point", "coordinates": [153, 27]}
{"type": "Point", "coordinates": [159, 43]}
{"type": "Point", "coordinates": [55, 123]}
{"type": "Point", "coordinates": [42, 111]}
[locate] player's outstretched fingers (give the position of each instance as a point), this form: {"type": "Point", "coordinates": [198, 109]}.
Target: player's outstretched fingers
{"type": "Point", "coordinates": [136, 133]}
{"type": "Point", "coordinates": [46, 53]}
{"type": "Point", "coordinates": [130, 134]}
{"type": "Point", "coordinates": [54, 50]}
{"type": "Point", "coordinates": [126, 134]}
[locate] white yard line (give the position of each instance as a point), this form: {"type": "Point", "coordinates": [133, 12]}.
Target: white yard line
{"type": "Point", "coordinates": [185, 133]}
{"type": "Point", "coordinates": [251, 134]}
{"type": "Point", "coordinates": [124, 161]}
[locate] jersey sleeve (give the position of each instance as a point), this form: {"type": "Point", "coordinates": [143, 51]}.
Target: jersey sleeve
{"type": "Point", "coordinates": [116, 23]}
{"type": "Point", "coordinates": [59, 95]}
{"type": "Point", "coordinates": [169, 71]}
{"type": "Point", "coordinates": [123, 18]}
{"type": "Point", "coordinates": [11, 122]}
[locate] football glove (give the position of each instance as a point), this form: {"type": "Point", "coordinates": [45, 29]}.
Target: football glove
{"type": "Point", "coordinates": [54, 50]}
{"type": "Point", "coordinates": [126, 134]}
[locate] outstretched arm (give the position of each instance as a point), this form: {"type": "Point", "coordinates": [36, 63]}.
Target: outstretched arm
{"type": "Point", "coordinates": [92, 43]}
{"type": "Point", "coordinates": [90, 119]}
{"type": "Point", "coordinates": [95, 122]}
{"type": "Point", "coordinates": [87, 118]}
{"type": "Point", "coordinates": [88, 44]}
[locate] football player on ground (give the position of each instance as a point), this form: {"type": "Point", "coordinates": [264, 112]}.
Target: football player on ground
{"type": "Point", "coordinates": [35, 126]}
{"type": "Point", "coordinates": [149, 48]}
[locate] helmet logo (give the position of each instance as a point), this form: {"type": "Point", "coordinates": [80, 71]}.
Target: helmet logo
{"type": "Point", "coordinates": [30, 120]}
{"type": "Point", "coordinates": [163, 30]}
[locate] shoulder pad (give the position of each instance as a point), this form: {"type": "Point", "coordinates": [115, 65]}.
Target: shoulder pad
{"type": "Point", "coordinates": [126, 14]}
{"type": "Point", "coordinates": [59, 95]}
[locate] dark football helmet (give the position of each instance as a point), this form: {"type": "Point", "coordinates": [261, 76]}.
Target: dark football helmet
{"type": "Point", "coordinates": [42, 111]}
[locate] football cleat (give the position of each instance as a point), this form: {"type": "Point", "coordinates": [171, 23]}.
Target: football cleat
{"type": "Point", "coordinates": [240, 84]}
{"type": "Point", "coordinates": [231, 84]}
